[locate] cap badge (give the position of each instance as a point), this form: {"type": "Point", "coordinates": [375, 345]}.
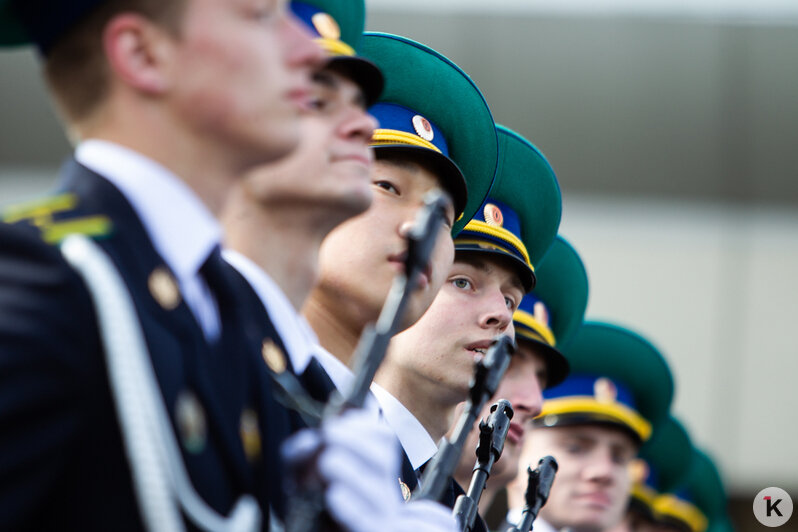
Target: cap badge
{"type": "Point", "coordinates": [493, 215]}
{"type": "Point", "coordinates": [405, 490]}
{"type": "Point", "coordinates": [326, 26]}
{"type": "Point", "coordinates": [250, 435]}
{"type": "Point", "coordinates": [163, 288]}
{"type": "Point", "coordinates": [541, 313]}
{"type": "Point", "coordinates": [638, 471]}
{"type": "Point", "coordinates": [191, 422]}
{"type": "Point", "coordinates": [273, 356]}
{"type": "Point", "coordinates": [423, 128]}
{"type": "Point", "coordinates": [605, 390]}
{"type": "Point", "coordinates": [550, 420]}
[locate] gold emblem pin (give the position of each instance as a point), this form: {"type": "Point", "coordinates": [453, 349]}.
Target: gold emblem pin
{"type": "Point", "coordinates": [638, 471]}
{"type": "Point", "coordinates": [405, 490]}
{"type": "Point", "coordinates": [423, 128]}
{"type": "Point", "coordinates": [191, 423]}
{"type": "Point", "coordinates": [550, 420]}
{"type": "Point", "coordinates": [605, 391]}
{"type": "Point", "coordinates": [273, 356]}
{"type": "Point", "coordinates": [163, 288]}
{"type": "Point", "coordinates": [493, 215]}
{"type": "Point", "coordinates": [326, 26]}
{"type": "Point", "coordinates": [541, 313]}
{"type": "Point", "coordinates": [250, 435]}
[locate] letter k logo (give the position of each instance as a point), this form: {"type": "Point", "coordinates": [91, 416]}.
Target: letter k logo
{"type": "Point", "coordinates": [773, 506]}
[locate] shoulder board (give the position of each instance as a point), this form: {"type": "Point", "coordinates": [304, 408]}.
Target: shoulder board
{"type": "Point", "coordinates": [40, 213]}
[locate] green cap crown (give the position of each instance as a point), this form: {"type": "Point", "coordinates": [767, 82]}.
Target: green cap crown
{"type": "Point", "coordinates": [428, 84]}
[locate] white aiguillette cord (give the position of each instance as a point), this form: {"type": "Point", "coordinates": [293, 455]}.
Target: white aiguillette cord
{"type": "Point", "coordinates": [160, 480]}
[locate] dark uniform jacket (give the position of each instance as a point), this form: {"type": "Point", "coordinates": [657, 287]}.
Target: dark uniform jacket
{"type": "Point", "coordinates": [62, 462]}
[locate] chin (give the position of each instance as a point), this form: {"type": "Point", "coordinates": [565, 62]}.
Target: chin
{"type": "Point", "coordinates": [592, 520]}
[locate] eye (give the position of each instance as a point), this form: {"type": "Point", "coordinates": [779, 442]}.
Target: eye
{"type": "Point", "coordinates": [622, 456]}
{"type": "Point", "coordinates": [461, 283]}
{"type": "Point", "coordinates": [317, 104]}
{"type": "Point", "coordinates": [387, 186]}
{"type": "Point", "coordinates": [510, 303]}
{"type": "Point", "coordinates": [575, 447]}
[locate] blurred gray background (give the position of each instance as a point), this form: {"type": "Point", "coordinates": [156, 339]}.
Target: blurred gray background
{"type": "Point", "coordinates": [672, 129]}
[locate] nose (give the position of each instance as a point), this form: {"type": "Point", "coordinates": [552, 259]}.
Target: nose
{"type": "Point", "coordinates": [496, 314]}
{"type": "Point", "coordinates": [359, 125]}
{"type": "Point", "coordinates": [527, 398]}
{"type": "Point", "coordinates": [299, 46]}
{"type": "Point", "coordinates": [405, 227]}
{"type": "Point", "coordinates": [601, 467]}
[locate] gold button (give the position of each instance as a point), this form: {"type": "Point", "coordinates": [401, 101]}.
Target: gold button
{"type": "Point", "coordinates": [191, 423]}
{"type": "Point", "coordinates": [273, 356]}
{"type": "Point", "coordinates": [163, 288]}
{"type": "Point", "coordinates": [250, 435]}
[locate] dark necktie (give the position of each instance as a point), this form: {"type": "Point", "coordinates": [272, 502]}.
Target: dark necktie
{"type": "Point", "coordinates": [213, 271]}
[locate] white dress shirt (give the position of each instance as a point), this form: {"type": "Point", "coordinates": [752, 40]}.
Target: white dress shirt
{"type": "Point", "coordinates": [180, 226]}
{"type": "Point", "coordinates": [416, 441]}
{"type": "Point", "coordinates": [297, 336]}
{"type": "Point", "coordinates": [540, 524]}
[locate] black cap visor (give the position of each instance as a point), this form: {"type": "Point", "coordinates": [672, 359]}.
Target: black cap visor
{"type": "Point", "coordinates": [363, 72]}
{"type": "Point", "coordinates": [557, 366]}
{"type": "Point", "coordinates": [523, 270]}
{"type": "Point", "coordinates": [448, 172]}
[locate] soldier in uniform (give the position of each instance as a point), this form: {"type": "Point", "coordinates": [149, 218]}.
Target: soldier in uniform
{"type": "Point", "coordinates": [419, 147]}
{"type": "Point", "coordinates": [663, 464]}
{"type": "Point", "coordinates": [545, 320]}
{"type": "Point", "coordinates": [429, 366]}
{"type": "Point", "coordinates": [291, 205]}
{"type": "Point", "coordinates": [698, 504]}
{"type": "Point", "coordinates": [161, 140]}
{"type": "Point", "coordinates": [593, 424]}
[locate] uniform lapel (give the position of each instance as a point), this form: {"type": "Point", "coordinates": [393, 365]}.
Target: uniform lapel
{"type": "Point", "coordinates": [182, 360]}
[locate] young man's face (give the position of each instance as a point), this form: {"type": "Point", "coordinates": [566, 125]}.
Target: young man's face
{"type": "Point", "coordinates": [240, 74]}
{"type": "Point", "coordinates": [475, 304]}
{"type": "Point", "coordinates": [591, 489]}
{"type": "Point", "coordinates": [360, 258]}
{"type": "Point", "coordinates": [332, 165]}
{"type": "Point", "coordinates": [521, 385]}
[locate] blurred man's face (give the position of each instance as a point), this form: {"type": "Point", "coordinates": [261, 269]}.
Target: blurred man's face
{"type": "Point", "coordinates": [331, 167]}
{"type": "Point", "coordinates": [240, 75]}
{"type": "Point", "coordinates": [521, 385]}
{"type": "Point", "coordinates": [591, 490]}
{"type": "Point", "coordinates": [360, 258]}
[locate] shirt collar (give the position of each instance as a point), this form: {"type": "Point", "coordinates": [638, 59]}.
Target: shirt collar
{"type": "Point", "coordinates": [416, 441]}
{"type": "Point", "coordinates": [180, 226]}
{"type": "Point", "coordinates": [292, 328]}
{"type": "Point", "coordinates": [541, 525]}
{"type": "Point", "coordinates": [343, 378]}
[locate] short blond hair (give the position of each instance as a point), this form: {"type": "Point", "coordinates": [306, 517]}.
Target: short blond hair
{"type": "Point", "coordinates": [76, 68]}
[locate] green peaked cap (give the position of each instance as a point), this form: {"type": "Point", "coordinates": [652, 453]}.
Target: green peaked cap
{"type": "Point", "coordinates": [526, 181]}
{"type": "Point", "coordinates": [669, 454]}
{"type": "Point", "coordinates": [520, 217]}
{"type": "Point", "coordinates": [702, 490]}
{"type": "Point", "coordinates": [350, 15]}
{"type": "Point", "coordinates": [419, 79]}
{"type": "Point", "coordinates": [338, 27]}
{"type": "Point", "coordinates": [563, 290]}
{"type": "Point", "coordinates": [616, 377]}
